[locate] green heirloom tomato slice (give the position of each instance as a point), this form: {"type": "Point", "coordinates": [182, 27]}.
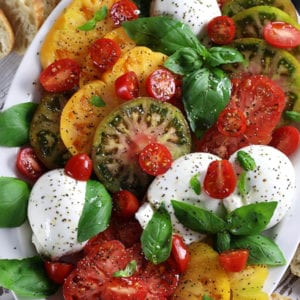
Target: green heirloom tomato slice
{"type": "Point", "coordinates": [122, 135]}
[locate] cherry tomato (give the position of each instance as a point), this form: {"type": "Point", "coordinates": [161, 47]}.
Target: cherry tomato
{"type": "Point", "coordinates": [221, 30]}
{"type": "Point", "coordinates": [60, 76]}
{"type": "Point", "coordinates": [126, 204]}
{"type": "Point", "coordinates": [161, 84]}
{"type": "Point", "coordinates": [281, 35]}
{"type": "Point", "coordinates": [79, 167]}
{"type": "Point", "coordinates": [105, 53]}
{"type": "Point", "coordinates": [123, 10]}
{"type": "Point", "coordinates": [234, 260]}
{"type": "Point", "coordinates": [180, 253]}
{"type": "Point", "coordinates": [231, 122]}
{"type": "Point", "coordinates": [155, 159]}
{"type": "Point", "coordinates": [127, 86]}
{"type": "Point", "coordinates": [220, 180]}
{"type": "Point", "coordinates": [286, 139]}
{"type": "Point", "coordinates": [28, 164]}
{"type": "Point", "coordinates": [58, 271]}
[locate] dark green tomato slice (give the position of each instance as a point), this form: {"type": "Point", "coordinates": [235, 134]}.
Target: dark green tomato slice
{"type": "Point", "coordinates": [44, 131]}
{"type": "Point", "coordinates": [121, 136]}
{"type": "Point", "coordinates": [278, 64]}
{"type": "Point", "coordinates": [233, 7]}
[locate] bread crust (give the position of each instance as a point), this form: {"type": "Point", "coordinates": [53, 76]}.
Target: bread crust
{"type": "Point", "coordinates": [7, 37]}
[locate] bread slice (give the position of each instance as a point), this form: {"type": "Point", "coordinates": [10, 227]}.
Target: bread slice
{"type": "Point", "coordinates": [49, 6]}
{"type": "Point", "coordinates": [25, 17]}
{"type": "Point", "coordinates": [6, 36]}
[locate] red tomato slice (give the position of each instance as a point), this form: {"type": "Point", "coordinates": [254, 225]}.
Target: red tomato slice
{"type": "Point", "coordinates": [62, 75]}
{"type": "Point", "coordinates": [220, 180]}
{"type": "Point", "coordinates": [105, 53]}
{"type": "Point", "coordinates": [161, 84]}
{"type": "Point", "coordinates": [126, 204]}
{"type": "Point", "coordinates": [123, 10]}
{"type": "Point", "coordinates": [127, 86]}
{"type": "Point", "coordinates": [155, 159]}
{"type": "Point", "coordinates": [180, 253]}
{"type": "Point", "coordinates": [79, 167]}
{"type": "Point", "coordinates": [281, 35]}
{"type": "Point", "coordinates": [286, 139]}
{"type": "Point", "coordinates": [58, 271]}
{"type": "Point", "coordinates": [221, 30]}
{"type": "Point", "coordinates": [234, 260]}
{"type": "Point", "coordinates": [28, 164]}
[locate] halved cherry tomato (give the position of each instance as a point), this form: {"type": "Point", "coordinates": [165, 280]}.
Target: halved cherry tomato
{"type": "Point", "coordinates": [28, 164]}
{"type": "Point", "coordinates": [155, 159]}
{"type": "Point", "coordinates": [161, 84]}
{"type": "Point", "coordinates": [127, 86]}
{"type": "Point", "coordinates": [220, 179]}
{"type": "Point", "coordinates": [231, 122]}
{"type": "Point", "coordinates": [60, 76]}
{"type": "Point", "coordinates": [180, 252]}
{"type": "Point", "coordinates": [79, 167]}
{"type": "Point", "coordinates": [221, 30]}
{"type": "Point", "coordinates": [58, 271]}
{"type": "Point", "coordinates": [234, 260]}
{"type": "Point", "coordinates": [286, 139]}
{"type": "Point", "coordinates": [281, 35]}
{"type": "Point", "coordinates": [126, 204]}
{"type": "Point", "coordinates": [105, 53]}
{"type": "Point", "coordinates": [123, 10]}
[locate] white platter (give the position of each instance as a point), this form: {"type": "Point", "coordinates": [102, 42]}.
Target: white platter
{"type": "Point", "coordinates": [15, 243]}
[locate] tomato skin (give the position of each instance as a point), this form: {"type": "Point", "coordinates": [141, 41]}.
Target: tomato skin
{"type": "Point", "coordinates": [161, 84]}
{"type": "Point", "coordinates": [234, 260]}
{"type": "Point", "coordinates": [126, 204]}
{"type": "Point", "coordinates": [220, 179]}
{"type": "Point", "coordinates": [79, 167]}
{"type": "Point", "coordinates": [58, 271]}
{"type": "Point", "coordinates": [281, 35]}
{"type": "Point", "coordinates": [28, 164]}
{"type": "Point", "coordinates": [155, 159]}
{"type": "Point", "coordinates": [221, 30]}
{"type": "Point", "coordinates": [105, 53]}
{"type": "Point", "coordinates": [60, 76]}
{"type": "Point", "coordinates": [180, 252]}
{"type": "Point", "coordinates": [286, 139]}
{"type": "Point", "coordinates": [127, 86]}
{"type": "Point", "coordinates": [123, 10]}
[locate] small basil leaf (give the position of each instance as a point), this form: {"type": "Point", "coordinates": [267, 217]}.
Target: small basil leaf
{"type": "Point", "coordinates": [195, 184]}
{"type": "Point", "coordinates": [128, 271]}
{"type": "Point", "coordinates": [262, 250]}
{"type": "Point", "coordinates": [206, 92]}
{"type": "Point", "coordinates": [222, 241]}
{"type": "Point", "coordinates": [157, 237]}
{"type": "Point", "coordinates": [246, 161]}
{"type": "Point", "coordinates": [97, 101]}
{"type": "Point", "coordinates": [91, 24]}
{"type": "Point", "coordinates": [250, 219]}
{"type": "Point", "coordinates": [242, 183]}
{"type": "Point", "coordinates": [15, 124]}
{"type": "Point", "coordinates": [26, 277]}
{"type": "Point", "coordinates": [96, 211]}
{"type": "Point", "coordinates": [13, 205]}
{"type": "Point", "coordinates": [196, 218]}
{"type": "Point", "coordinates": [205, 297]}
{"type": "Point", "coordinates": [223, 55]}
{"type": "Point", "coordinates": [292, 115]}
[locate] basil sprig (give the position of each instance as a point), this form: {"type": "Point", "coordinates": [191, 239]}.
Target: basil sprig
{"type": "Point", "coordinates": [98, 16]}
{"type": "Point", "coordinates": [156, 238]}
{"type": "Point", "coordinates": [240, 228]}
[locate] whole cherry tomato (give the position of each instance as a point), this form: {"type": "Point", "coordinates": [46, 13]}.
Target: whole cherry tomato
{"type": "Point", "coordinates": [180, 252]}
{"type": "Point", "coordinates": [127, 86]}
{"type": "Point", "coordinates": [126, 204]}
{"type": "Point", "coordinates": [234, 260]}
{"type": "Point", "coordinates": [79, 167]}
{"type": "Point", "coordinates": [58, 271]}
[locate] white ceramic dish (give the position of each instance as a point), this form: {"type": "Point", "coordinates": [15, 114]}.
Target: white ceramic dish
{"type": "Point", "coordinates": [16, 242]}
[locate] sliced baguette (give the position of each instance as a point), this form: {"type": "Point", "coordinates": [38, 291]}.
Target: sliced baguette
{"type": "Point", "coordinates": [7, 37]}
{"type": "Point", "coordinates": [25, 17]}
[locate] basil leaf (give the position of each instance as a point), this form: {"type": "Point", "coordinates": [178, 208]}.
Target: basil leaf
{"type": "Point", "coordinates": [97, 101]}
{"type": "Point", "coordinates": [246, 161]}
{"type": "Point", "coordinates": [206, 92]}
{"type": "Point", "coordinates": [195, 184]}
{"type": "Point", "coordinates": [184, 61]}
{"type": "Point", "coordinates": [15, 123]}
{"type": "Point", "coordinates": [13, 205]}
{"type": "Point", "coordinates": [292, 115]}
{"type": "Point", "coordinates": [242, 183]}
{"type": "Point", "coordinates": [196, 218]}
{"type": "Point", "coordinates": [223, 55]}
{"type": "Point", "coordinates": [205, 297]}
{"type": "Point", "coordinates": [262, 250]}
{"type": "Point", "coordinates": [250, 219]}
{"type": "Point", "coordinates": [157, 237]}
{"type": "Point", "coordinates": [26, 277]}
{"type": "Point", "coordinates": [144, 7]}
{"type": "Point", "coordinates": [128, 271]}
{"type": "Point", "coordinates": [222, 242]}
{"type": "Point", "coordinates": [161, 33]}
{"type": "Point", "coordinates": [91, 24]}
{"type": "Point", "coordinates": [96, 211]}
